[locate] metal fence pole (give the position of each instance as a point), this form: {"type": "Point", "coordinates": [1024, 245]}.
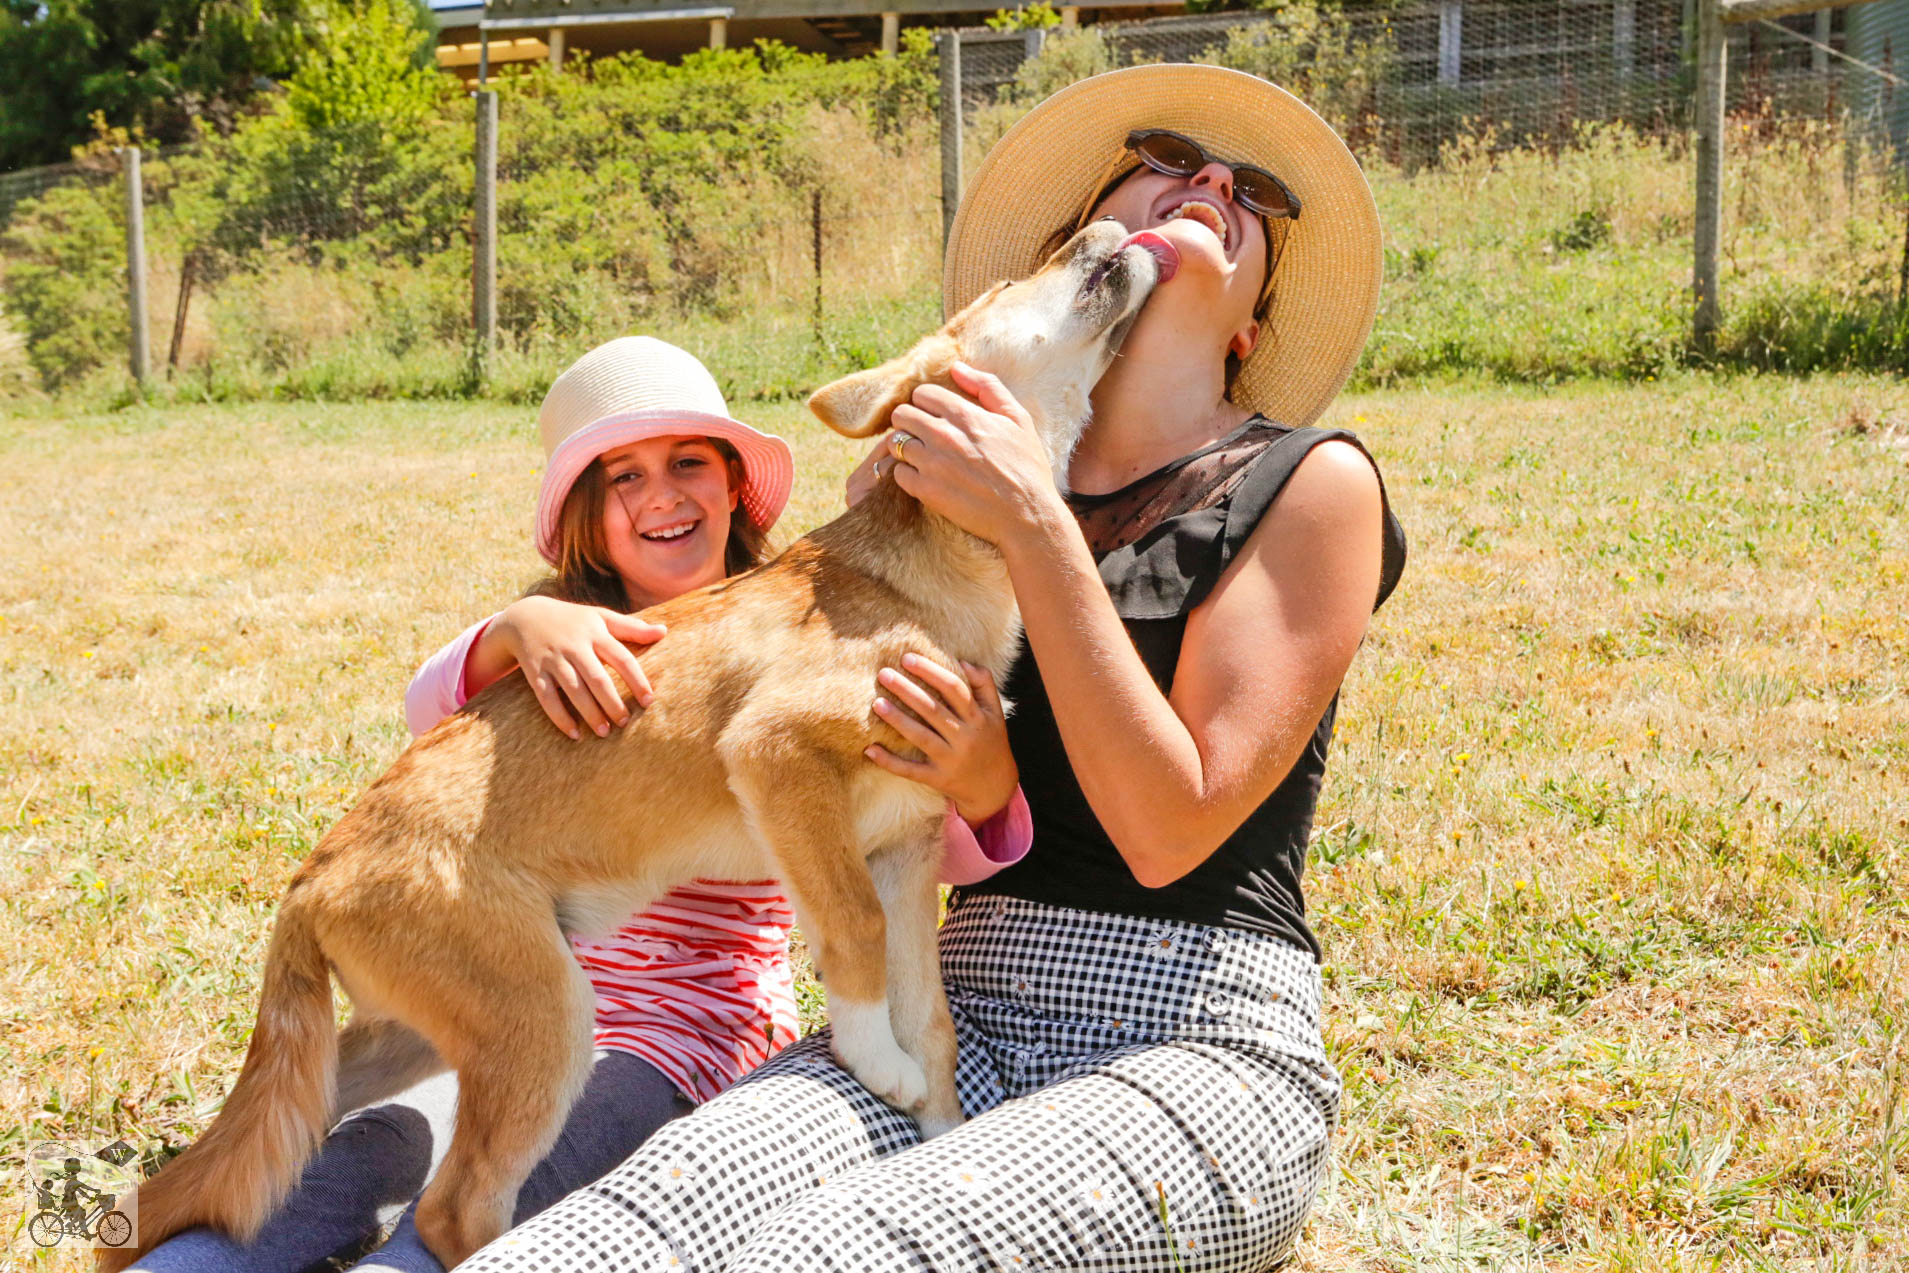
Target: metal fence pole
{"type": "Point", "coordinates": [1712, 54]}
{"type": "Point", "coordinates": [1451, 41]}
{"type": "Point", "coordinates": [948, 44]}
{"type": "Point", "coordinates": [139, 347]}
{"type": "Point", "coordinates": [484, 245]}
{"type": "Point", "coordinates": [815, 250]}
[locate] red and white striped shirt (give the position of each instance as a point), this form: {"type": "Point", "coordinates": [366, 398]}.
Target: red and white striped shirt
{"type": "Point", "coordinates": [699, 984]}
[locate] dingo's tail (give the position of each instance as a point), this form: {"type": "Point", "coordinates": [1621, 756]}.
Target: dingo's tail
{"type": "Point", "coordinates": [278, 1111]}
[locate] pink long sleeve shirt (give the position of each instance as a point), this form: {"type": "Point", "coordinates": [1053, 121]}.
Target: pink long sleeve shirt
{"type": "Point", "coordinates": [699, 985]}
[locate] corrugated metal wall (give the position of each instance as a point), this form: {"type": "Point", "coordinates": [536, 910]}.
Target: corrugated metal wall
{"type": "Point", "coordinates": [1878, 34]}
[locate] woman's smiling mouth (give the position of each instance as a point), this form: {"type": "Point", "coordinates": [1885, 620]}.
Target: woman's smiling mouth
{"type": "Point", "coordinates": [1208, 214]}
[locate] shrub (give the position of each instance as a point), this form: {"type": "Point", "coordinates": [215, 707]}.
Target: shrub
{"type": "Point", "coordinates": [630, 192]}
{"type": "Point", "coordinates": [66, 280]}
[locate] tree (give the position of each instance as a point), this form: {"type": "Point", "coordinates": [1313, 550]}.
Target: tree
{"type": "Point", "coordinates": [166, 69]}
{"type": "Point", "coordinates": [373, 65]}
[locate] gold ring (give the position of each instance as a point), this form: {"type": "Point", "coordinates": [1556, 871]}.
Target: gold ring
{"type": "Point", "coordinates": [900, 443]}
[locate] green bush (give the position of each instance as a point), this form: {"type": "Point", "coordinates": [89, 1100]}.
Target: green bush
{"type": "Point", "coordinates": [330, 250]}
{"type": "Point", "coordinates": [335, 229]}
{"type": "Point", "coordinates": [66, 280]}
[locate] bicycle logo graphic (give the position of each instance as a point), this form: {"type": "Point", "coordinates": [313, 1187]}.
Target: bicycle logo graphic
{"type": "Point", "coordinates": [78, 1195]}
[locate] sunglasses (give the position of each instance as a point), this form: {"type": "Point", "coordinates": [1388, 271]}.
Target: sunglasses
{"type": "Point", "coordinates": [1254, 189]}
{"type": "Point", "coordinates": [1177, 155]}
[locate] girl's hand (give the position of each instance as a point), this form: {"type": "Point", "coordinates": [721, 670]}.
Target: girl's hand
{"type": "Point", "coordinates": [567, 651]}
{"type": "Point", "coordinates": [961, 728]}
{"type": "Point", "coordinates": [976, 460]}
{"type": "Point", "coordinates": [863, 479]}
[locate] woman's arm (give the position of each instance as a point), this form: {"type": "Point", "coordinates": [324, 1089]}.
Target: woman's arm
{"type": "Point", "coordinates": [1260, 661]}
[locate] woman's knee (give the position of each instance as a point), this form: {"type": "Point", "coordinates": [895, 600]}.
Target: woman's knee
{"type": "Point", "coordinates": [836, 1227]}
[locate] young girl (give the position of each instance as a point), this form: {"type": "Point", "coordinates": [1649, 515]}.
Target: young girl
{"type": "Point", "coordinates": [650, 490]}
{"type": "Point", "coordinates": [1137, 1005]}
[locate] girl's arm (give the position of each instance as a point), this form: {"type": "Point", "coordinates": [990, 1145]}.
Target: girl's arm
{"type": "Point", "coordinates": [960, 727]}
{"type": "Point", "coordinates": [566, 651]}
{"type": "Point", "coordinates": [973, 759]}
{"type": "Point", "coordinates": [971, 853]}
{"type": "Point", "coordinates": [441, 685]}
{"type": "Point", "coordinates": [1261, 659]}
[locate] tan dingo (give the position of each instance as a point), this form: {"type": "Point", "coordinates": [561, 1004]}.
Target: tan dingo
{"type": "Point", "coordinates": [442, 900]}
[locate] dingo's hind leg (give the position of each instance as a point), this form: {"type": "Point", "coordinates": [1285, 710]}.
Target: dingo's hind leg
{"type": "Point", "coordinates": [522, 1055]}
{"type": "Point", "coordinates": [377, 1059]}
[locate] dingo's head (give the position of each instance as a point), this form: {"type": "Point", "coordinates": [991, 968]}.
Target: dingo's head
{"type": "Point", "coordinates": [1049, 338]}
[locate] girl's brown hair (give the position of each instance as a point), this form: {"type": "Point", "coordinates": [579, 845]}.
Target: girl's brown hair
{"type": "Point", "coordinates": [584, 573]}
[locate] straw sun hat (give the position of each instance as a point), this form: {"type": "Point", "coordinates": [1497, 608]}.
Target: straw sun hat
{"type": "Point", "coordinates": [1326, 282]}
{"type": "Point", "coordinates": [638, 387]}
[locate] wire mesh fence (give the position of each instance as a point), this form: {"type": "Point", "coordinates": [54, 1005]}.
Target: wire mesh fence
{"type": "Point", "coordinates": [1531, 159]}
{"type": "Point", "coordinates": [1402, 81]}
{"type": "Point", "coordinates": [783, 248]}
{"type": "Point", "coordinates": [1534, 168]}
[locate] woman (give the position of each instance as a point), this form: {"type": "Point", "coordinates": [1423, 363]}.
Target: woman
{"type": "Point", "coordinates": [650, 490]}
{"type": "Point", "coordinates": [1137, 1002]}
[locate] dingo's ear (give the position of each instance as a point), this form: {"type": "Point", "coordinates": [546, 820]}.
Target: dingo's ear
{"type": "Point", "coordinates": [859, 405]}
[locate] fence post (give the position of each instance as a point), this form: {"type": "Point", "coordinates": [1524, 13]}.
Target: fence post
{"type": "Point", "coordinates": [948, 45]}
{"type": "Point", "coordinates": [1451, 41]}
{"type": "Point", "coordinates": [815, 253]}
{"type": "Point", "coordinates": [138, 346]}
{"type": "Point", "coordinates": [1712, 55]}
{"type": "Point", "coordinates": [484, 245]}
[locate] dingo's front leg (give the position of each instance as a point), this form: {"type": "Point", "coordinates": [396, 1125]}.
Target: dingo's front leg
{"type": "Point", "coordinates": [796, 798]}
{"type": "Point", "coordinates": [917, 1003]}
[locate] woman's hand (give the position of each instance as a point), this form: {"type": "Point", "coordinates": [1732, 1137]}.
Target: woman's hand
{"type": "Point", "coordinates": [961, 728]}
{"type": "Point", "coordinates": [976, 460]}
{"type": "Point", "coordinates": [567, 651]}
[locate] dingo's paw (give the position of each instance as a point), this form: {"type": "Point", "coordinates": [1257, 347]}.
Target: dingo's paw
{"type": "Point", "coordinates": [933, 1125]}
{"type": "Point", "coordinates": [894, 1077]}
{"type": "Point", "coordinates": [866, 1047]}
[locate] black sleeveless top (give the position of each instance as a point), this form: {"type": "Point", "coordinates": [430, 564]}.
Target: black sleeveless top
{"type": "Point", "coordinates": [1162, 543]}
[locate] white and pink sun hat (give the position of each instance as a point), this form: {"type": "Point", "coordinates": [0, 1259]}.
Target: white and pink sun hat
{"type": "Point", "coordinates": [638, 387]}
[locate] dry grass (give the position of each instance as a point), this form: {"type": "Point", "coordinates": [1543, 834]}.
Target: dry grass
{"type": "Point", "coordinates": [1610, 869]}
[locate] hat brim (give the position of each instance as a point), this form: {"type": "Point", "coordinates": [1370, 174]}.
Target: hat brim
{"type": "Point", "coordinates": [768, 466]}
{"type": "Point", "coordinates": [1326, 283]}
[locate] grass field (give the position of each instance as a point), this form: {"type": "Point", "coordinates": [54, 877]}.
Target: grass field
{"type": "Point", "coordinates": [1610, 869]}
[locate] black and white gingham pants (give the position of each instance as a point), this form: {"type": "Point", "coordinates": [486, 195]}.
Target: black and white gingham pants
{"type": "Point", "coordinates": [1143, 1095]}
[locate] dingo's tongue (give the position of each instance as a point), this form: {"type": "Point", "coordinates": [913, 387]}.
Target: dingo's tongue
{"type": "Point", "coordinates": [1163, 252]}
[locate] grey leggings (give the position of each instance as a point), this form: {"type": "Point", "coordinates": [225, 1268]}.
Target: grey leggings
{"type": "Point", "coordinates": [377, 1160]}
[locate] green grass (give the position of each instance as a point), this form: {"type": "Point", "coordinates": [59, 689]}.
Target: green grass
{"type": "Point", "coordinates": [1542, 266]}
{"type": "Point", "coordinates": [1610, 865]}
